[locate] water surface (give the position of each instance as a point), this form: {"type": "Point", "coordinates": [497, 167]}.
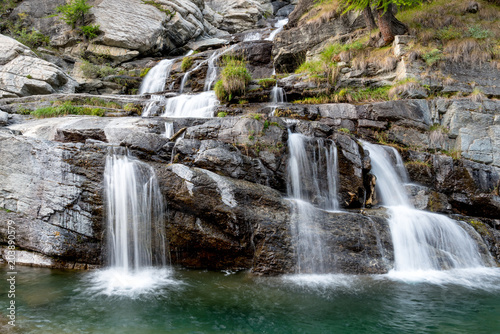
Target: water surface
{"type": "Point", "coordinates": [188, 301]}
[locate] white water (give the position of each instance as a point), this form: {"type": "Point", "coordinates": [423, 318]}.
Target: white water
{"type": "Point", "coordinates": [423, 241]}
{"type": "Point", "coordinates": [153, 105]}
{"type": "Point", "coordinates": [318, 166]}
{"type": "Point", "coordinates": [135, 213]}
{"type": "Point", "coordinates": [279, 27]}
{"type": "Point", "coordinates": [169, 130]}
{"type": "Point", "coordinates": [135, 227]}
{"type": "Point", "coordinates": [252, 36]}
{"type": "Point", "coordinates": [212, 71]}
{"type": "Point", "coordinates": [199, 105]}
{"type": "Point", "coordinates": [154, 81]}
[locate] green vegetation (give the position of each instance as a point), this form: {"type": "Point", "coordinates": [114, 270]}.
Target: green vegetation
{"type": "Point", "coordinates": [222, 114]}
{"type": "Point", "coordinates": [345, 130]}
{"type": "Point", "coordinates": [186, 64]}
{"type": "Point", "coordinates": [480, 227]}
{"type": "Point", "coordinates": [267, 82]}
{"type": "Point", "coordinates": [66, 109]}
{"type": "Point", "coordinates": [159, 7]}
{"type": "Point", "coordinates": [326, 66]}
{"type": "Point", "coordinates": [432, 56]}
{"type": "Point", "coordinates": [94, 71]}
{"type": "Point", "coordinates": [477, 95]}
{"type": "Point", "coordinates": [90, 31]}
{"type": "Point", "coordinates": [31, 39]}
{"type": "Point", "coordinates": [73, 11]}
{"type": "Point", "coordinates": [144, 72]}
{"type": "Point", "coordinates": [133, 108]}
{"type": "Point", "coordinates": [234, 79]}
{"type": "Point", "coordinates": [351, 95]}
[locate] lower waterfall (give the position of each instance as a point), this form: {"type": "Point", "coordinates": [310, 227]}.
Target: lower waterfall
{"type": "Point", "coordinates": [137, 247]}
{"type": "Point", "coordinates": [312, 185]}
{"type": "Point", "coordinates": [423, 241]}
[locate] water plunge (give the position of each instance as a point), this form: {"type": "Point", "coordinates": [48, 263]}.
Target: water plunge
{"type": "Point", "coordinates": [422, 241]}
{"type": "Point", "coordinates": [311, 163]}
{"type": "Point", "coordinates": [135, 213]}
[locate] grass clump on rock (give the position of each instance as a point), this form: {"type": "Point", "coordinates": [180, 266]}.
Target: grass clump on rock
{"type": "Point", "coordinates": [66, 109]}
{"type": "Point", "coordinates": [235, 78]}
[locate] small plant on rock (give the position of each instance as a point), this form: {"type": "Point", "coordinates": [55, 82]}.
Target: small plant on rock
{"type": "Point", "coordinates": [90, 31]}
{"type": "Point", "coordinates": [74, 11]}
{"type": "Point", "coordinates": [234, 79]}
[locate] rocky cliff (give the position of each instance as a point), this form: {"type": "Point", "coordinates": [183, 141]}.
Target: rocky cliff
{"type": "Point", "coordinates": [224, 179]}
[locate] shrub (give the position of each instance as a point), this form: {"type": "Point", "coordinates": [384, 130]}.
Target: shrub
{"type": "Point", "coordinates": [90, 31]}
{"type": "Point", "coordinates": [234, 79]}
{"type": "Point", "coordinates": [32, 39]}
{"type": "Point", "coordinates": [73, 11]}
{"type": "Point", "coordinates": [186, 64]}
{"type": "Point", "coordinates": [432, 56]}
{"type": "Point", "coordinates": [267, 82]}
{"type": "Point", "coordinates": [478, 32]}
{"type": "Point", "coordinates": [221, 93]}
{"type": "Point", "coordinates": [94, 71]}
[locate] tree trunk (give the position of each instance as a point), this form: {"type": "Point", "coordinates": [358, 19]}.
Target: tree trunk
{"type": "Point", "coordinates": [369, 19]}
{"type": "Point", "coordinates": [389, 25]}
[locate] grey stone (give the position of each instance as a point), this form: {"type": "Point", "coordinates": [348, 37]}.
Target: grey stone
{"type": "Point", "coordinates": [22, 73]}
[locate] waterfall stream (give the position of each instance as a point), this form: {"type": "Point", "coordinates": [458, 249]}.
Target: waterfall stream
{"type": "Point", "coordinates": [312, 185]}
{"type": "Point", "coordinates": [137, 247]}
{"type": "Point", "coordinates": [154, 81]}
{"type": "Point", "coordinates": [135, 213]}
{"type": "Point", "coordinates": [422, 241]}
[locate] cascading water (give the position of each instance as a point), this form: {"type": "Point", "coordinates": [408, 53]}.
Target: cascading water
{"type": "Point", "coordinates": [169, 130]}
{"type": "Point", "coordinates": [135, 213]}
{"type": "Point", "coordinates": [307, 171]}
{"type": "Point", "coordinates": [422, 241]}
{"type": "Point", "coordinates": [135, 223]}
{"type": "Point", "coordinates": [200, 105]}
{"type": "Point", "coordinates": [154, 81]}
{"type": "Point", "coordinates": [278, 96]}
{"type": "Point", "coordinates": [279, 27]}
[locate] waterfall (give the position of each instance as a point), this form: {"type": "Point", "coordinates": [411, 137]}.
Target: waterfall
{"type": "Point", "coordinates": [169, 130]}
{"type": "Point", "coordinates": [279, 27]}
{"type": "Point", "coordinates": [211, 72]}
{"type": "Point", "coordinates": [422, 240]}
{"type": "Point", "coordinates": [252, 36]}
{"type": "Point", "coordinates": [200, 105]}
{"type": "Point", "coordinates": [278, 96]}
{"type": "Point", "coordinates": [311, 180]}
{"type": "Point", "coordinates": [154, 81]}
{"type": "Point", "coordinates": [153, 105]}
{"type": "Point", "coordinates": [135, 213]}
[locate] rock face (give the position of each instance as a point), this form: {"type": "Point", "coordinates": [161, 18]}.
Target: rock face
{"type": "Point", "coordinates": [54, 193]}
{"type": "Point", "coordinates": [304, 38]}
{"type": "Point", "coordinates": [227, 221]}
{"type": "Point", "coordinates": [23, 73]}
{"type": "Point", "coordinates": [240, 15]}
{"type": "Point", "coordinates": [131, 24]}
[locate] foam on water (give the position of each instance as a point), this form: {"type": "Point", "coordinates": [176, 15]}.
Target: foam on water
{"type": "Point", "coordinates": [473, 278]}
{"type": "Point", "coordinates": [132, 284]}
